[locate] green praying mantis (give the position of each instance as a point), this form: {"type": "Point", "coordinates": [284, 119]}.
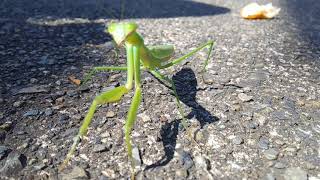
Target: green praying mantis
{"type": "Point", "coordinates": [139, 57]}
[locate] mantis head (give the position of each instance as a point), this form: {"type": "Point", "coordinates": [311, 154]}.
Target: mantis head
{"type": "Point", "coordinates": [120, 31]}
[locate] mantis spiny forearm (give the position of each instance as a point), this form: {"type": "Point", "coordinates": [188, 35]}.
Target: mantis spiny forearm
{"type": "Point", "coordinates": [139, 56]}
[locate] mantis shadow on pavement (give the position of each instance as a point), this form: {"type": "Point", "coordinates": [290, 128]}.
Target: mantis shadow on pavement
{"type": "Point", "coordinates": [186, 87]}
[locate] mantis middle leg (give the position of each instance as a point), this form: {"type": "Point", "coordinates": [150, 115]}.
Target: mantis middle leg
{"type": "Point", "coordinates": [94, 70]}
{"type": "Point", "coordinates": [176, 61]}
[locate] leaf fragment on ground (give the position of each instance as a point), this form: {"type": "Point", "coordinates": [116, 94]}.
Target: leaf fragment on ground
{"type": "Point", "coordinates": [256, 11]}
{"type": "Point", "coordinates": [74, 80]}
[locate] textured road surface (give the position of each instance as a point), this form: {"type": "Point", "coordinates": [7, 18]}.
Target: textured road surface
{"type": "Point", "coordinates": [254, 114]}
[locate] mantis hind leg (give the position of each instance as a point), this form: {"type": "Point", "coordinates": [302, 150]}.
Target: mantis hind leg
{"type": "Point", "coordinates": [113, 95]}
{"type": "Point", "coordinates": [95, 70]}
{"type": "Point", "coordinates": [176, 61]}
{"type": "Point", "coordinates": [173, 87]}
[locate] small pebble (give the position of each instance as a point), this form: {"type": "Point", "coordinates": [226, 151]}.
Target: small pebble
{"type": "Point", "coordinates": [201, 162]}
{"type": "Point", "coordinates": [110, 173]}
{"type": "Point", "coordinates": [4, 151]}
{"type": "Point", "coordinates": [32, 161]}
{"type": "Point", "coordinates": [41, 153]}
{"type": "Point", "coordinates": [223, 79]}
{"type": "Point", "coordinates": [59, 100]}
{"type": "Point", "coordinates": [105, 134]}
{"type": "Point", "coordinates": [40, 166]}
{"type": "Point", "coordinates": [252, 125]}
{"type": "Point", "coordinates": [292, 151]}
{"type": "Point", "coordinates": [199, 135]}
{"type": "Point", "coordinates": [17, 104]}
{"type": "Point", "coordinates": [260, 119]}
{"type": "Point", "coordinates": [136, 156]}
{"type": "Point", "coordinates": [208, 78]}
{"type": "Point", "coordinates": [45, 72]}
{"type": "Point", "coordinates": [263, 143]}
{"type": "Point", "coordinates": [59, 93]}
{"type": "Point", "coordinates": [76, 173]}
{"type": "Point", "coordinates": [31, 113]}
{"type": "Point", "coordinates": [186, 160]}
{"type": "Point", "coordinates": [72, 93]}
{"type": "Point", "coordinates": [279, 115]}
{"type": "Point", "coordinates": [295, 173]}
{"type": "Point", "coordinates": [271, 154]}
{"type": "Point", "coordinates": [63, 118]}
{"type": "Point", "coordinates": [23, 146]}
{"type": "Point", "coordinates": [237, 140]}
{"type": "Point", "coordinates": [246, 89]}
{"type": "Point", "coordinates": [244, 97]}
{"type": "Point", "coordinates": [279, 165]}
{"type": "Point", "coordinates": [21, 132]}
{"type": "Point", "coordinates": [144, 117]}
{"type": "Point", "coordinates": [70, 60]}
{"type": "Point", "coordinates": [84, 88]}
{"type": "Point", "coordinates": [77, 117]}
{"type": "Point", "coordinates": [236, 107]}
{"type": "Point", "coordinates": [313, 178]}
{"type": "Point", "coordinates": [33, 80]}
{"type": "Point", "coordinates": [110, 114]}
{"type": "Point", "coordinates": [269, 177]}
{"type": "Point", "coordinates": [84, 156]}
{"type": "Point", "coordinates": [279, 142]}
{"type": "Point", "coordinates": [15, 162]}
{"type": "Point", "coordinates": [99, 148]}
{"type": "Point", "coordinates": [310, 166]}
{"type": "Point", "coordinates": [181, 173]}
{"type": "Point", "coordinates": [58, 82]}
{"type": "Point", "coordinates": [48, 112]}
{"type": "Point", "coordinates": [114, 77]}
{"type": "Point", "coordinates": [6, 126]}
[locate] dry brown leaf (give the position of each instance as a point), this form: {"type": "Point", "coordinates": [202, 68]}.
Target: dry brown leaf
{"type": "Point", "coordinates": [74, 80]}
{"type": "Point", "coordinates": [256, 11]}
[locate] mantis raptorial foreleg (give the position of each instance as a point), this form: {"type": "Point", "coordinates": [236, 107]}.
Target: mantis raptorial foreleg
{"type": "Point", "coordinates": [113, 95]}
{"type": "Point", "coordinates": [132, 114]}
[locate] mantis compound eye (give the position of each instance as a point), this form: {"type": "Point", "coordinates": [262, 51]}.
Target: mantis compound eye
{"type": "Point", "coordinates": [120, 31]}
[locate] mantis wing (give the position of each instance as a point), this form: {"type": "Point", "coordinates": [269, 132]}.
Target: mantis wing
{"type": "Point", "coordinates": [162, 52]}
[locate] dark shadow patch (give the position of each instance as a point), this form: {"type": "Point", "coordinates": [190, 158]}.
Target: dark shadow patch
{"type": "Point", "coordinates": [95, 9]}
{"type": "Point", "coordinates": [29, 50]}
{"type": "Point", "coordinates": [169, 134]}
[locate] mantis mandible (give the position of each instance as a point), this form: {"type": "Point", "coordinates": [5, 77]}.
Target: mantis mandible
{"type": "Point", "coordinates": [139, 57]}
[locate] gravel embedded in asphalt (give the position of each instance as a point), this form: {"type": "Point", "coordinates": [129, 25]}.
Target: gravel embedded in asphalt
{"type": "Point", "coordinates": [262, 88]}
